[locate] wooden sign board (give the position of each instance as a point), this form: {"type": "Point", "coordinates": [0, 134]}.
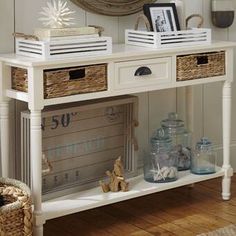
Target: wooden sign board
{"type": "Point", "coordinates": [81, 142]}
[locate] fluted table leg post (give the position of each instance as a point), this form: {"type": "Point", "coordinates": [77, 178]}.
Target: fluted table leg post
{"type": "Point", "coordinates": [5, 144]}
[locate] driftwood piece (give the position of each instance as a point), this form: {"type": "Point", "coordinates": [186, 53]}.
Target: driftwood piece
{"type": "Point", "coordinates": [117, 181]}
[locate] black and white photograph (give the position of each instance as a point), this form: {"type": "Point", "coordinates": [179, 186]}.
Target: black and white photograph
{"type": "Point", "coordinates": [162, 17]}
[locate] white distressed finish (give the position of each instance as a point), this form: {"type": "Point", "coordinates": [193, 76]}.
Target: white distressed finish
{"type": "Point", "coordinates": [64, 48]}
{"type": "Point", "coordinates": [226, 140]}
{"type": "Point", "coordinates": [160, 69]}
{"type": "Point", "coordinates": [5, 139]}
{"type": "Point", "coordinates": [167, 39]}
{"type": "Point", "coordinates": [121, 54]}
{"type": "Point", "coordinates": [138, 187]}
{"type": "Point", "coordinates": [35, 105]}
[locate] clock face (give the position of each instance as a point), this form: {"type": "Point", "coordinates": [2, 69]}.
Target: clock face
{"type": "Point", "coordinates": [112, 7]}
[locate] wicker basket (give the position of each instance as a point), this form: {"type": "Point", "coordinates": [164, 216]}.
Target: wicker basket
{"type": "Point", "coordinates": [200, 65]}
{"type": "Point", "coordinates": [65, 81]}
{"type": "Point", "coordinates": [16, 214]}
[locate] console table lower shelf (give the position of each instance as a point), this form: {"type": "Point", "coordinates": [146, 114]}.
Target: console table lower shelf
{"type": "Point", "coordinates": [92, 198]}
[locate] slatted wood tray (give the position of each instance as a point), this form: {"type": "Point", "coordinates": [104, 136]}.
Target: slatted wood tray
{"type": "Point", "coordinates": [168, 39]}
{"type": "Point", "coordinates": [64, 48]}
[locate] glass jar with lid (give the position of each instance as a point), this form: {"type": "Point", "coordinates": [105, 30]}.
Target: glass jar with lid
{"type": "Point", "coordinates": [204, 158]}
{"type": "Point", "coordinates": [161, 164]}
{"type": "Point", "coordinates": [181, 139]}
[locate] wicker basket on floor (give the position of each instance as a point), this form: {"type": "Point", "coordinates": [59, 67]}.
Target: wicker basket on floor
{"type": "Point", "coordinates": [16, 213]}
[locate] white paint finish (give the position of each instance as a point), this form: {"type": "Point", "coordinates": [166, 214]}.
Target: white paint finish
{"type": "Point", "coordinates": [120, 52]}
{"type": "Point", "coordinates": [226, 96]}
{"type": "Point", "coordinates": [5, 138]}
{"type": "Point", "coordinates": [67, 48]}
{"type": "Point", "coordinates": [35, 88]}
{"type": "Point", "coordinates": [20, 106]}
{"type": "Point", "coordinates": [25, 20]}
{"type": "Point", "coordinates": [36, 103]}
{"type": "Point", "coordinates": [36, 163]}
{"type": "Point", "coordinates": [168, 39]}
{"type": "Point", "coordinates": [94, 198]}
{"type": "Point", "coordinates": [226, 140]}
{"type": "Point", "coordinates": [125, 73]}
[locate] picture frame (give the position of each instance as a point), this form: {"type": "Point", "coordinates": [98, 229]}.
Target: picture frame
{"type": "Point", "coordinates": [163, 17]}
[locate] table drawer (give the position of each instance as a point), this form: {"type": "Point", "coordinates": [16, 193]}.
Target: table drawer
{"type": "Point", "coordinates": [65, 81]}
{"type": "Point", "coordinates": [142, 73]}
{"type": "Point", "coordinates": [200, 65]}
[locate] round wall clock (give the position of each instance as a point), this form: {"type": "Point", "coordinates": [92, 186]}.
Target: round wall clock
{"type": "Point", "coordinates": [112, 7]}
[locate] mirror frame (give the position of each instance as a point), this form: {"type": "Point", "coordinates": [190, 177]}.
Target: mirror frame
{"type": "Point", "coordinates": [112, 7]}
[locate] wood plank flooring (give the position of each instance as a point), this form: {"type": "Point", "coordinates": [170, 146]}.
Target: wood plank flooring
{"type": "Point", "coordinates": [182, 211]}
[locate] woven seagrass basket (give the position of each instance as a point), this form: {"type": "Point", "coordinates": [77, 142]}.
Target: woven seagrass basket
{"type": "Point", "coordinates": [201, 65]}
{"type": "Point", "coordinates": [65, 81]}
{"type": "Point", "coordinates": [16, 213]}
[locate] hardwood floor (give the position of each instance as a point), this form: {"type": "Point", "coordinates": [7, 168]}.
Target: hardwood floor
{"type": "Point", "coordinates": [181, 211]}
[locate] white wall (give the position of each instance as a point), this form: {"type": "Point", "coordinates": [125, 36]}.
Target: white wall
{"type": "Point", "coordinates": [206, 98]}
{"type": "Point", "coordinates": [7, 45]}
{"type": "Point", "coordinates": [6, 25]}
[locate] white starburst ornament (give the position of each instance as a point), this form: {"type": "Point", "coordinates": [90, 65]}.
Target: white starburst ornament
{"type": "Point", "coordinates": [56, 15]}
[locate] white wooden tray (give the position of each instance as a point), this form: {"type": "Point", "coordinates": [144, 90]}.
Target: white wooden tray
{"type": "Point", "coordinates": [64, 48]}
{"type": "Point", "coordinates": [168, 39]}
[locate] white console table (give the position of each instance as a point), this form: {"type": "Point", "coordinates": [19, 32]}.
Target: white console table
{"type": "Point", "coordinates": [122, 64]}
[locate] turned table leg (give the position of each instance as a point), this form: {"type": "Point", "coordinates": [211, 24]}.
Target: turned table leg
{"type": "Point", "coordinates": [36, 163]}
{"type": "Point", "coordinates": [226, 182]}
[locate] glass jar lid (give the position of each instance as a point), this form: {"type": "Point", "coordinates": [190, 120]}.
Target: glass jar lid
{"type": "Point", "coordinates": [172, 121]}
{"type": "Point", "coordinates": [161, 139]}
{"type": "Point", "coordinates": [204, 144]}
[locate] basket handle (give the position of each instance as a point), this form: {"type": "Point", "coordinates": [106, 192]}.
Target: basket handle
{"type": "Point", "coordinates": [145, 20]}
{"type": "Point", "coordinates": [201, 20]}
{"type": "Point", "coordinates": [99, 29]}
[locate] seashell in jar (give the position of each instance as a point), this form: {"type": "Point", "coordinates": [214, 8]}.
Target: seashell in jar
{"type": "Point", "coordinates": [165, 171]}
{"type": "Point", "coordinates": [172, 173]}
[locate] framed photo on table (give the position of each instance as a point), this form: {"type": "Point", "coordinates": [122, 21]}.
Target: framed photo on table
{"type": "Point", "coordinates": [162, 16]}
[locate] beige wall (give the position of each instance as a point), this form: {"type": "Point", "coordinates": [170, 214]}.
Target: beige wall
{"type": "Point", "coordinates": [6, 25]}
